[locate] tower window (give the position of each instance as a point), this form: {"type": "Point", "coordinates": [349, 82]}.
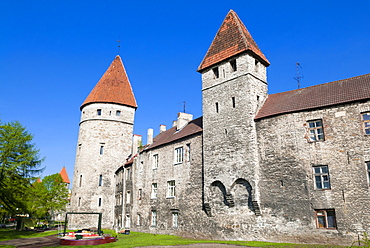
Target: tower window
{"type": "Point", "coordinates": [80, 184]}
{"type": "Point", "coordinates": [118, 113]}
{"type": "Point", "coordinates": [216, 72]}
{"type": "Point", "coordinates": [233, 65]}
{"type": "Point", "coordinates": [99, 202]}
{"type": "Point", "coordinates": [216, 107]}
{"type": "Point", "coordinates": [233, 101]}
{"type": "Point", "coordinates": [101, 150]}
{"type": "Point", "coordinates": [100, 180]}
{"type": "Point", "coordinates": [98, 112]}
{"type": "Point", "coordinates": [79, 201]}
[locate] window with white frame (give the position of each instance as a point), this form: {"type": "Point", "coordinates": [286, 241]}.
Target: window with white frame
{"type": "Point", "coordinates": [153, 219]}
{"type": "Point", "coordinates": [325, 218]}
{"type": "Point", "coordinates": [128, 196]}
{"type": "Point", "coordinates": [188, 152]}
{"type": "Point", "coordinates": [322, 179]}
{"type": "Point", "coordinates": [316, 130]}
{"type": "Point", "coordinates": [153, 194]}
{"type": "Point", "coordinates": [128, 221]}
{"type": "Point", "coordinates": [179, 155]}
{"type": "Point", "coordinates": [366, 122]}
{"type": "Point", "coordinates": [155, 161]}
{"type": "Point", "coordinates": [138, 220]}
{"type": "Point", "coordinates": [175, 219]}
{"type": "Point", "coordinates": [171, 189]}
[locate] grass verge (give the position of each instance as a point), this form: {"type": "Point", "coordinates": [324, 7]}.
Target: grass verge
{"type": "Point", "coordinates": [136, 239]}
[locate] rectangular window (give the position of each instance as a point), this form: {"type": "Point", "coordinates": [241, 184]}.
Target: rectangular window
{"type": "Point", "coordinates": [233, 101]}
{"type": "Point", "coordinates": [175, 219]}
{"type": "Point", "coordinates": [140, 194]}
{"type": "Point", "coordinates": [171, 189]}
{"type": "Point", "coordinates": [216, 107]}
{"type": "Point", "coordinates": [316, 130]}
{"type": "Point", "coordinates": [325, 218]}
{"type": "Point", "coordinates": [79, 201]}
{"type": "Point", "coordinates": [322, 180]}
{"type": "Point", "coordinates": [101, 152]}
{"type": "Point", "coordinates": [128, 222]}
{"type": "Point", "coordinates": [188, 152]}
{"type": "Point", "coordinates": [153, 194]}
{"type": "Point", "coordinates": [128, 196]}
{"type": "Point", "coordinates": [98, 111]}
{"type": "Point", "coordinates": [99, 202]}
{"type": "Point", "coordinates": [179, 155]}
{"type": "Point", "coordinates": [80, 183]}
{"type": "Point", "coordinates": [155, 161]}
{"type": "Point", "coordinates": [233, 65]}
{"type": "Point", "coordinates": [153, 221]}
{"type": "Point", "coordinates": [215, 73]}
{"type": "Point", "coordinates": [100, 180]}
{"type": "Point", "coordinates": [366, 123]}
{"type": "Point", "coordinates": [138, 220]}
{"type": "Point", "coordinates": [128, 174]}
{"type": "Point", "coordinates": [118, 113]}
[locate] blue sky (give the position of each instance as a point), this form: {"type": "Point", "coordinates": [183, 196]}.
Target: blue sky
{"type": "Point", "coordinates": [52, 53]}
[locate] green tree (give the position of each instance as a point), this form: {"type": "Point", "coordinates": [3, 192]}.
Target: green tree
{"type": "Point", "coordinates": [19, 166]}
{"type": "Point", "coordinates": [48, 196]}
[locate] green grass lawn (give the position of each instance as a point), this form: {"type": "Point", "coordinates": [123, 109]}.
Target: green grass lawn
{"type": "Point", "coordinates": [136, 239]}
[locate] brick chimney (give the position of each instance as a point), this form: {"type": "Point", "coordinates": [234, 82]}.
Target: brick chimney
{"type": "Point", "coordinates": [183, 119]}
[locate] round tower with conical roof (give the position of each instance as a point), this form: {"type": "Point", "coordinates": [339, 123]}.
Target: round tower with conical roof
{"type": "Point", "coordinates": [104, 143]}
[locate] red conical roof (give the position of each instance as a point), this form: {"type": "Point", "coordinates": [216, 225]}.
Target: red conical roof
{"type": "Point", "coordinates": [231, 39]}
{"type": "Point", "coordinates": [113, 87]}
{"type": "Point", "coordinates": [64, 175]}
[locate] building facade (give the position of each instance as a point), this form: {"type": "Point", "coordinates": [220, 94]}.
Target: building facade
{"type": "Point", "coordinates": [292, 166]}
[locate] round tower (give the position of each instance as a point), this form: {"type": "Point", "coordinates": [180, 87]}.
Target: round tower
{"type": "Point", "coordinates": [104, 143]}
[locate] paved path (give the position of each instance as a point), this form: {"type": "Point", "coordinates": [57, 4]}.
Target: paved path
{"type": "Point", "coordinates": [33, 242]}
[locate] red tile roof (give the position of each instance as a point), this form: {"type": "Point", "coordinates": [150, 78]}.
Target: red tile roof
{"type": "Point", "coordinates": [113, 87]}
{"type": "Point", "coordinates": [193, 127]}
{"type": "Point", "coordinates": [337, 92]}
{"type": "Point", "coordinates": [231, 39]}
{"type": "Point", "coordinates": [63, 173]}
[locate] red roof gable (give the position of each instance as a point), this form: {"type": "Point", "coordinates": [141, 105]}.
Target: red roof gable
{"type": "Point", "coordinates": [113, 87]}
{"type": "Point", "coordinates": [337, 92]}
{"type": "Point", "coordinates": [231, 39]}
{"type": "Point", "coordinates": [64, 175]}
{"type": "Point", "coordinates": [193, 127]}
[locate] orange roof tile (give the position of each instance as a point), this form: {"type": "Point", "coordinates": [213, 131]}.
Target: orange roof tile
{"type": "Point", "coordinates": [113, 87]}
{"type": "Point", "coordinates": [231, 39]}
{"type": "Point", "coordinates": [64, 175]}
{"type": "Point", "coordinates": [323, 95]}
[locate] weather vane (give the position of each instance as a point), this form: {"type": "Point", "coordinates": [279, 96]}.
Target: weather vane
{"type": "Point", "coordinates": [119, 44]}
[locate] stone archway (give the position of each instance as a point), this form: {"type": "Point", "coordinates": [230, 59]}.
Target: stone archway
{"type": "Point", "coordinates": [242, 191]}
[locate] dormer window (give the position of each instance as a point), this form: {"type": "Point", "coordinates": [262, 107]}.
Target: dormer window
{"type": "Point", "coordinates": [98, 112]}
{"type": "Point", "coordinates": [215, 73]}
{"type": "Point", "coordinates": [233, 65]}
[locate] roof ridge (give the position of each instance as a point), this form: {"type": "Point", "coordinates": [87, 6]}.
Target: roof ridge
{"type": "Point", "coordinates": [318, 85]}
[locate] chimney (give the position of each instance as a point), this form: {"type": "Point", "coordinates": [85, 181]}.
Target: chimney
{"type": "Point", "coordinates": [136, 143]}
{"type": "Point", "coordinates": [183, 119]}
{"type": "Point", "coordinates": [150, 136]}
{"type": "Point", "coordinates": [162, 128]}
{"type": "Point", "coordinates": [174, 123]}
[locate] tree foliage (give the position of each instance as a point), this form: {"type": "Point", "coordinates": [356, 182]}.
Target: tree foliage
{"type": "Point", "coordinates": [48, 196]}
{"type": "Point", "coordinates": [19, 166]}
